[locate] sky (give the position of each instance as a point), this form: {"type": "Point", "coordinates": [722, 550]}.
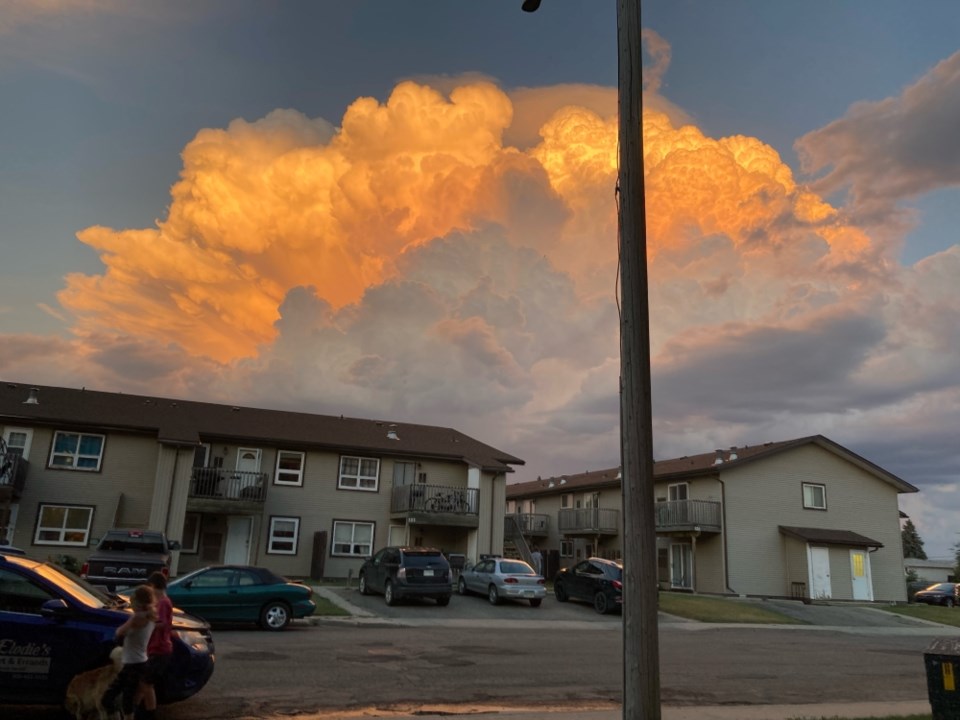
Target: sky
{"type": "Point", "coordinates": [406, 211]}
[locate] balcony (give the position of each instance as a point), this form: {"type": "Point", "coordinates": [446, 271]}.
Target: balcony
{"type": "Point", "coordinates": [436, 505]}
{"type": "Point", "coordinates": [533, 524]}
{"type": "Point", "coordinates": [225, 486]}
{"type": "Point", "coordinates": [688, 516]}
{"type": "Point", "coordinates": [13, 475]}
{"type": "Point", "coordinates": [589, 521]}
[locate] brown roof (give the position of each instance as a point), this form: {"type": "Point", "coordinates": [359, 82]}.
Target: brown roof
{"type": "Point", "coordinates": [825, 536]}
{"type": "Point", "coordinates": [187, 422]}
{"type": "Point", "coordinates": [702, 465]}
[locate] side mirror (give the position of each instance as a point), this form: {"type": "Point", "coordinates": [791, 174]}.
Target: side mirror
{"type": "Point", "coordinates": [55, 608]}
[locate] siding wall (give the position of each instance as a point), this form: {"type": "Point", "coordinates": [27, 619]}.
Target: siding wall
{"type": "Point", "coordinates": [761, 496]}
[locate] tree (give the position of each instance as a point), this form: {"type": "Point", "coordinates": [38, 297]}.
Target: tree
{"type": "Point", "coordinates": [912, 544]}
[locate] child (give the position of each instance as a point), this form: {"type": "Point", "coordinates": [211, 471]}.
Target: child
{"type": "Point", "coordinates": [160, 647]}
{"type": "Point", "coordinates": [135, 633]}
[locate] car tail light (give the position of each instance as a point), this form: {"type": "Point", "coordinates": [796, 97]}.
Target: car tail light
{"type": "Point", "coordinates": [402, 574]}
{"type": "Point", "coordinates": [617, 585]}
{"type": "Point", "coordinates": [542, 581]}
{"type": "Point", "coordinates": [510, 581]}
{"type": "Point", "coordinates": [84, 570]}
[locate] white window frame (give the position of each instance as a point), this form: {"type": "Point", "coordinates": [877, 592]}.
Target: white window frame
{"type": "Point", "coordinates": [76, 455]}
{"type": "Point", "coordinates": [62, 530]}
{"type": "Point", "coordinates": [274, 540]}
{"type": "Point", "coordinates": [566, 548]}
{"type": "Point", "coordinates": [677, 492]}
{"type": "Point", "coordinates": [27, 440]}
{"type": "Point", "coordinates": [809, 500]}
{"type": "Point", "coordinates": [566, 500]}
{"type": "Point", "coordinates": [355, 481]}
{"type": "Point", "coordinates": [357, 549]}
{"type": "Point", "coordinates": [288, 476]}
{"type": "Point", "coordinates": [190, 544]}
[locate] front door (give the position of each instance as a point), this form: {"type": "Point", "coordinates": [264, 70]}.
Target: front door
{"type": "Point", "coordinates": [681, 566]}
{"type": "Point", "coordinates": [237, 551]}
{"type": "Point", "coordinates": [820, 573]}
{"type": "Point", "coordinates": [860, 573]}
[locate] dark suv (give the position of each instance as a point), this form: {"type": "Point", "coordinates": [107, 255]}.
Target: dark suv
{"type": "Point", "coordinates": [401, 572]}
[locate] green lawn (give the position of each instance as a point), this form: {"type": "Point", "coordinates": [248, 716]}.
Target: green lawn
{"type": "Point", "coordinates": [720, 610]}
{"type": "Point", "coordinates": [934, 613]}
{"type": "Point", "coordinates": [325, 608]}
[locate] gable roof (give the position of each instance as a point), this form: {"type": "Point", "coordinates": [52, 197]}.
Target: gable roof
{"type": "Point", "coordinates": [709, 464]}
{"type": "Point", "coordinates": [186, 422]}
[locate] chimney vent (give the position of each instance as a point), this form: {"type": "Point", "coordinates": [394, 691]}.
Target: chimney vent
{"type": "Point", "coordinates": [719, 459]}
{"type": "Point", "coordinates": [733, 453]}
{"type": "Point", "coordinates": [392, 435]}
{"type": "Point", "coordinates": [33, 398]}
{"type": "Point", "coordinates": [550, 484]}
{"type": "Point", "coordinates": [563, 481]}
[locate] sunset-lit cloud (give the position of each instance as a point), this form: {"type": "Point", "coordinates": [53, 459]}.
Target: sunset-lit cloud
{"type": "Point", "coordinates": [447, 254]}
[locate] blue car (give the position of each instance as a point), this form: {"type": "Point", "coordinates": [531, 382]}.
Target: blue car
{"type": "Point", "coordinates": [54, 625]}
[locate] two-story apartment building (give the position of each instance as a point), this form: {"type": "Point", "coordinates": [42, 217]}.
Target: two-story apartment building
{"type": "Point", "coordinates": [802, 518]}
{"type": "Point", "coordinates": [306, 495]}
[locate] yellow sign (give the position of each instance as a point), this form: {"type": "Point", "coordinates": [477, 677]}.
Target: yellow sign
{"type": "Point", "coordinates": [948, 683]}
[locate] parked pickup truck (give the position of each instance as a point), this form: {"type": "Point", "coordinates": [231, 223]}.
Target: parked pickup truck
{"type": "Point", "coordinates": [128, 557]}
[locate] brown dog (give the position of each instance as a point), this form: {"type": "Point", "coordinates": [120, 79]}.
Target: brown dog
{"type": "Point", "coordinates": [86, 689]}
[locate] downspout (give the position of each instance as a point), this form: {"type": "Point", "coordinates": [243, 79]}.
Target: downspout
{"type": "Point", "coordinates": [723, 519]}
{"type": "Point", "coordinates": [173, 480]}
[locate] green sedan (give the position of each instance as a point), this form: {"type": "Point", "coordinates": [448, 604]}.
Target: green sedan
{"type": "Point", "coordinates": [242, 593]}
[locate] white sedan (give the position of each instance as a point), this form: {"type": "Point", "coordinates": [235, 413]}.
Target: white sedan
{"type": "Point", "coordinates": [499, 578]}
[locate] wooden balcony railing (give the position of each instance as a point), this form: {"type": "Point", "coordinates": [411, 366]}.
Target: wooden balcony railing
{"type": "Point", "coordinates": [702, 515]}
{"type": "Point", "coordinates": [589, 520]}
{"type": "Point", "coordinates": [533, 523]}
{"type": "Point", "coordinates": [221, 484]}
{"type": "Point", "coordinates": [435, 499]}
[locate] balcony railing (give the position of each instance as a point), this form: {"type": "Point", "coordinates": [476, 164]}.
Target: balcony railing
{"type": "Point", "coordinates": [13, 472]}
{"type": "Point", "coordinates": [589, 520]}
{"type": "Point", "coordinates": [220, 484]}
{"type": "Point", "coordinates": [688, 515]}
{"type": "Point", "coordinates": [435, 499]}
{"type": "Point", "coordinates": [533, 523]}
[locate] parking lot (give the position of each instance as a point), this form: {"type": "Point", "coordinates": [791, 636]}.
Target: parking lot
{"type": "Point", "coordinates": [470, 607]}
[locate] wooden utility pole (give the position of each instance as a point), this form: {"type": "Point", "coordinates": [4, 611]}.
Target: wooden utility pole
{"type": "Point", "coordinates": [641, 644]}
{"type": "Point", "coordinates": [641, 640]}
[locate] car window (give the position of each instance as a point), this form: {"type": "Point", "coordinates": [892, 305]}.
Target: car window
{"type": "Point", "coordinates": [593, 569]}
{"type": "Point", "coordinates": [78, 589]}
{"type": "Point", "coordinates": [20, 595]}
{"type": "Point", "coordinates": [423, 559]}
{"type": "Point", "coordinates": [486, 566]}
{"type": "Point", "coordinates": [515, 567]}
{"type": "Point", "coordinates": [582, 566]}
{"type": "Point", "coordinates": [246, 579]}
{"type": "Point", "coordinates": [220, 577]}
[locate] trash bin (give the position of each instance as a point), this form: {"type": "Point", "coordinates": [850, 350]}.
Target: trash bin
{"type": "Point", "coordinates": [942, 660]}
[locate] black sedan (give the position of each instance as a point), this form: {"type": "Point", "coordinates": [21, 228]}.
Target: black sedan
{"type": "Point", "coordinates": [940, 594]}
{"type": "Point", "coordinates": [242, 593]}
{"type": "Point", "coordinates": [594, 580]}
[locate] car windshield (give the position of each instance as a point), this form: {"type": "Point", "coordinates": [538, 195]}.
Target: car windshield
{"type": "Point", "coordinates": [942, 587]}
{"type": "Point", "coordinates": [81, 590]}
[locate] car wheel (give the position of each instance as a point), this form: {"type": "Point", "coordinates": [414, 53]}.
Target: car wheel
{"type": "Point", "coordinates": [560, 592]}
{"type": "Point", "coordinates": [462, 586]}
{"type": "Point", "coordinates": [275, 616]}
{"type": "Point", "coordinates": [493, 596]}
{"type": "Point", "coordinates": [388, 597]}
{"type": "Point", "coordinates": [364, 590]}
{"type": "Point", "coordinates": [535, 602]}
{"type": "Point", "coordinates": [600, 603]}
{"type": "Point", "coordinates": [443, 600]}
{"type": "Point", "coordinates": [948, 602]}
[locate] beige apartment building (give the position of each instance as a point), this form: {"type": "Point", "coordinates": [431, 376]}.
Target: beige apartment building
{"type": "Point", "coordinates": [305, 495]}
{"type": "Point", "coordinates": [804, 518]}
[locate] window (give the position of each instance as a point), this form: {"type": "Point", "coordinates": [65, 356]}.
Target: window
{"type": "Point", "coordinates": [18, 441]}
{"type": "Point", "coordinates": [284, 532]}
{"type": "Point", "coordinates": [76, 451]}
{"type": "Point", "coordinates": [191, 533]}
{"type": "Point", "coordinates": [566, 548]}
{"type": "Point", "coordinates": [814, 496]}
{"type": "Point", "coordinates": [358, 473]}
{"type": "Point", "coordinates": [678, 491]}
{"type": "Point", "coordinates": [566, 500]}
{"type": "Point", "coordinates": [63, 525]}
{"type": "Point", "coordinates": [352, 538]}
{"type": "Point", "coordinates": [289, 468]}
